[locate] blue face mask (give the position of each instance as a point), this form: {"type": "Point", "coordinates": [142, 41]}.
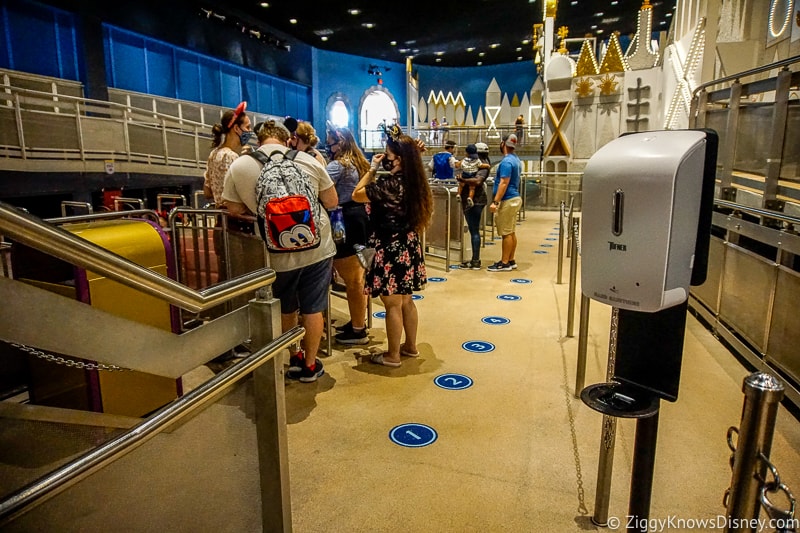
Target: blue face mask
{"type": "Point", "coordinates": [248, 138]}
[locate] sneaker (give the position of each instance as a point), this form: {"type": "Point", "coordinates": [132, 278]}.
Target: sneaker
{"type": "Point", "coordinates": [475, 265]}
{"type": "Point", "coordinates": [306, 375]}
{"type": "Point", "coordinates": [513, 264]}
{"type": "Point", "coordinates": [297, 361]}
{"type": "Point", "coordinates": [500, 267]}
{"type": "Point", "coordinates": [470, 203]}
{"type": "Point", "coordinates": [351, 336]}
{"type": "Point", "coordinates": [465, 265]}
{"type": "Point", "coordinates": [344, 327]}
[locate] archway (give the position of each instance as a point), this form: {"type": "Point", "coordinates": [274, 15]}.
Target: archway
{"type": "Point", "coordinates": [377, 106]}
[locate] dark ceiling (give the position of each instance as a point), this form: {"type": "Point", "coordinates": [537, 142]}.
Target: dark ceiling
{"type": "Point", "coordinates": [463, 33]}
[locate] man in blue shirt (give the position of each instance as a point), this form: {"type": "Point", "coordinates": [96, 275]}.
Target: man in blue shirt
{"type": "Point", "coordinates": [506, 202]}
{"type": "Point", "coordinates": [443, 164]}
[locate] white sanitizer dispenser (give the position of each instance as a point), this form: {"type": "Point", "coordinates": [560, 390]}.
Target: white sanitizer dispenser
{"type": "Point", "coordinates": [641, 205]}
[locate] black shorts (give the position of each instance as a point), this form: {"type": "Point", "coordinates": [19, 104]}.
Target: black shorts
{"type": "Point", "coordinates": [356, 229]}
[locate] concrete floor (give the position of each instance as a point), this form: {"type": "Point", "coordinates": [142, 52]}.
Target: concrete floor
{"type": "Point", "coordinates": [515, 452]}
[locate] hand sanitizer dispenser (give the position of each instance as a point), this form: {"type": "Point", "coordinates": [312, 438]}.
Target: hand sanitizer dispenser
{"type": "Point", "coordinates": [641, 205]}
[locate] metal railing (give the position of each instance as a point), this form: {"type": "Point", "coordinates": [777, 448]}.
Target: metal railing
{"type": "Point", "coordinates": [761, 117]}
{"type": "Point", "coordinates": [63, 245]}
{"type": "Point", "coordinates": [63, 133]}
{"type": "Point", "coordinates": [263, 314]}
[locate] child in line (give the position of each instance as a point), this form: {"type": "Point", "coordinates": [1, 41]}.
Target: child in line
{"type": "Point", "coordinates": [469, 169]}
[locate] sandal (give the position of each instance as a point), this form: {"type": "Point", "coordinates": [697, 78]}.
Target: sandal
{"type": "Point", "coordinates": [406, 353]}
{"type": "Point", "coordinates": [378, 359]}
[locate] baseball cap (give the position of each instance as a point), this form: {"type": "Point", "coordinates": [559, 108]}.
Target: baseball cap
{"type": "Point", "coordinates": [471, 149]}
{"type": "Point", "coordinates": [482, 148]}
{"type": "Point", "coordinates": [510, 140]}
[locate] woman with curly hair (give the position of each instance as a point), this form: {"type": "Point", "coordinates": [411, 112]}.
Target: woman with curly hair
{"type": "Point", "coordinates": [401, 208]}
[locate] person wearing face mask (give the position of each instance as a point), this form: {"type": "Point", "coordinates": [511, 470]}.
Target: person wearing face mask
{"type": "Point", "coordinates": [305, 140]}
{"type": "Point", "coordinates": [401, 206]}
{"type": "Point", "coordinates": [244, 252]}
{"type": "Point", "coordinates": [347, 166]}
{"type": "Point", "coordinates": [230, 136]}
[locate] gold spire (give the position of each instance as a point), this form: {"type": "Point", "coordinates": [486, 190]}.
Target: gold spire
{"type": "Point", "coordinates": [646, 5]}
{"type": "Point", "coordinates": [563, 31]}
{"type": "Point", "coordinates": [550, 8]}
{"type": "Point", "coordinates": [587, 62]}
{"type": "Point", "coordinates": [614, 60]}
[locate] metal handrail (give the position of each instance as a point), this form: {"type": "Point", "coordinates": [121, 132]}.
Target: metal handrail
{"type": "Point", "coordinates": [62, 244]}
{"type": "Point", "coordinates": [744, 74]}
{"type": "Point", "coordinates": [134, 213]}
{"type": "Point", "coordinates": [776, 215]}
{"type": "Point", "coordinates": [75, 471]}
{"type": "Point", "coordinates": [65, 100]}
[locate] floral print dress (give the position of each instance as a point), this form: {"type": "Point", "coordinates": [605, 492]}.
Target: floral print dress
{"type": "Point", "coordinates": [399, 265]}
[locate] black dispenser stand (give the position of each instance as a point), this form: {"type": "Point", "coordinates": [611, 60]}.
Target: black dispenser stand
{"type": "Point", "coordinates": [646, 370]}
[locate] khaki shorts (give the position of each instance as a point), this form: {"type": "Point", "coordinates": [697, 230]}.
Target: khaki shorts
{"type": "Point", "coordinates": [505, 220]}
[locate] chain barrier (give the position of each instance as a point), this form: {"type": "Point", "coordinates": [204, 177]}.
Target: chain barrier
{"type": "Point", "coordinates": [72, 363]}
{"type": "Point", "coordinates": [782, 518]}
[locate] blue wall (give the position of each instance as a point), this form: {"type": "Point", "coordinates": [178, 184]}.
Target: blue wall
{"type": "Point", "coordinates": [344, 74]}
{"type": "Point", "coordinates": [39, 40]}
{"type": "Point", "coordinates": [214, 68]}
{"type": "Point", "coordinates": [140, 64]}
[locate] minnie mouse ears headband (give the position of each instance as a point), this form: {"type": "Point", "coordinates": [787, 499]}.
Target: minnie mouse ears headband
{"type": "Point", "coordinates": [333, 131]}
{"type": "Point", "coordinates": [237, 113]}
{"type": "Point", "coordinates": [393, 132]}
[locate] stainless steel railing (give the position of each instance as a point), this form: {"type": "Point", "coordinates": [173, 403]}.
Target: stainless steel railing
{"type": "Point", "coordinates": [263, 313]}
{"type": "Point", "coordinates": [63, 245]}
{"type": "Point", "coordinates": [52, 484]}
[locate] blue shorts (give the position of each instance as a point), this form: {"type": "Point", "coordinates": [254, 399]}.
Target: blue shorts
{"type": "Point", "coordinates": [305, 289]}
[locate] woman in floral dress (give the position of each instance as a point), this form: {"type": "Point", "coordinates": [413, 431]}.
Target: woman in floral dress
{"type": "Point", "coordinates": [401, 206]}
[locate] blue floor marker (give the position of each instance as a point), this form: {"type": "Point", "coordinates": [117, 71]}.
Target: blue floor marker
{"type": "Point", "coordinates": [417, 297]}
{"type": "Point", "coordinates": [546, 245]}
{"type": "Point", "coordinates": [437, 280]}
{"type": "Point", "coordinates": [521, 281]}
{"type": "Point", "coordinates": [379, 314]}
{"type": "Point", "coordinates": [509, 297]}
{"type": "Point", "coordinates": [496, 320]}
{"type": "Point", "coordinates": [453, 381]}
{"type": "Point", "coordinates": [413, 435]}
{"type": "Point", "coordinates": [540, 251]}
{"type": "Point", "coordinates": [478, 346]}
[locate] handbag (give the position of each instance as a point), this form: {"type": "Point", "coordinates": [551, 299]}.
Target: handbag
{"type": "Point", "coordinates": [365, 255]}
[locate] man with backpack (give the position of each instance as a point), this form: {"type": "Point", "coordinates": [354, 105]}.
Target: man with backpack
{"type": "Point", "coordinates": [443, 164]}
{"type": "Point", "coordinates": [289, 191]}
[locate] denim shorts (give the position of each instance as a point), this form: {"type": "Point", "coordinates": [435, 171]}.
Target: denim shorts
{"type": "Point", "coordinates": [305, 288]}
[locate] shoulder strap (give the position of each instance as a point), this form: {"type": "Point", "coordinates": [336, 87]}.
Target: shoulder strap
{"type": "Point", "coordinates": [259, 156]}
{"type": "Point", "coordinates": [291, 154]}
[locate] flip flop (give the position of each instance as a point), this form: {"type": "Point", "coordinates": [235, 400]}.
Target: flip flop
{"type": "Point", "coordinates": [378, 359]}
{"type": "Point", "coordinates": [409, 354]}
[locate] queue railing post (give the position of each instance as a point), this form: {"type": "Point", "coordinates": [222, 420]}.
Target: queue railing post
{"type": "Point", "coordinates": [560, 242]}
{"type": "Point", "coordinates": [605, 464]}
{"type": "Point", "coordinates": [583, 334]}
{"type": "Point", "coordinates": [762, 395]}
{"type": "Point", "coordinates": [573, 278]}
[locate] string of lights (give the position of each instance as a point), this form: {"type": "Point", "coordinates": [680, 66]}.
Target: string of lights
{"type": "Point", "coordinates": [254, 32]}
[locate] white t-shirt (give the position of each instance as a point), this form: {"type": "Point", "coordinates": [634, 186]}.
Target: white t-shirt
{"type": "Point", "coordinates": [240, 187]}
